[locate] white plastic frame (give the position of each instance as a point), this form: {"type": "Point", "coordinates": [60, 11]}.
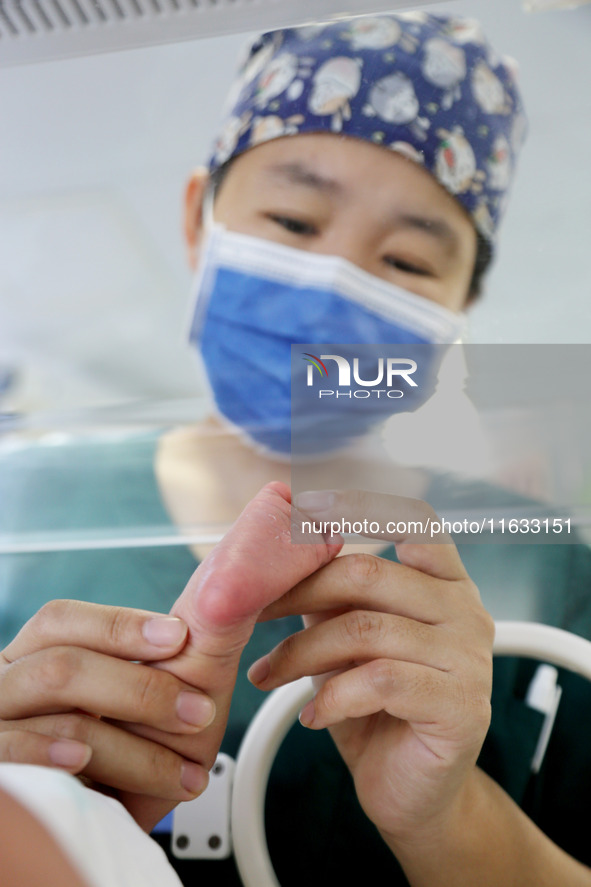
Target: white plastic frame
{"type": "Point", "coordinates": [33, 31]}
{"type": "Point", "coordinates": [277, 714]}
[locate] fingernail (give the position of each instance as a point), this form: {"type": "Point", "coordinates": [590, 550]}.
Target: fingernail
{"type": "Point", "coordinates": [315, 501]}
{"type": "Point", "coordinates": [193, 778]}
{"type": "Point", "coordinates": [69, 753]}
{"type": "Point", "coordinates": [164, 631]}
{"type": "Point", "coordinates": [195, 709]}
{"type": "Point", "coordinates": [259, 671]}
{"type": "Point", "coordinates": [307, 714]}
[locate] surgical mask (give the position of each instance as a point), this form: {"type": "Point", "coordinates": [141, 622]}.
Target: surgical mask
{"type": "Point", "coordinates": [254, 299]}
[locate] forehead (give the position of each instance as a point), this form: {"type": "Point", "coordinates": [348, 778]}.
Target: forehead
{"type": "Point", "coordinates": [347, 171]}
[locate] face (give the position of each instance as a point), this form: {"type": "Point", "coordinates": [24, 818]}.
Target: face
{"type": "Point", "coordinates": [340, 196]}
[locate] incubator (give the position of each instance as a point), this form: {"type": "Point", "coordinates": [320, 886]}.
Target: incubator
{"type": "Point", "coordinates": [102, 406]}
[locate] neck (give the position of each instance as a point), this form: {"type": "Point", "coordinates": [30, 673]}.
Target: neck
{"type": "Point", "coordinates": [207, 473]}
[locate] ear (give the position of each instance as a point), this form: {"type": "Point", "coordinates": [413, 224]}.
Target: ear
{"type": "Point", "coordinates": [193, 214]}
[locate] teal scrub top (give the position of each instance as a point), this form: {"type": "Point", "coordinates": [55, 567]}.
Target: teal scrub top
{"type": "Point", "coordinates": [316, 829]}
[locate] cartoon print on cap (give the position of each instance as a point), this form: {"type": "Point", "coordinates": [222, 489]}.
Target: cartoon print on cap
{"type": "Point", "coordinates": [407, 150]}
{"type": "Point", "coordinates": [309, 32]}
{"type": "Point", "coordinates": [499, 165]}
{"type": "Point", "coordinates": [466, 30]}
{"type": "Point", "coordinates": [272, 127]}
{"type": "Point", "coordinates": [483, 220]}
{"type": "Point", "coordinates": [257, 60]}
{"type": "Point", "coordinates": [378, 33]}
{"type": "Point", "coordinates": [280, 74]}
{"type": "Point", "coordinates": [444, 65]}
{"type": "Point", "coordinates": [413, 17]}
{"type": "Point", "coordinates": [335, 83]}
{"type": "Point", "coordinates": [250, 66]}
{"type": "Point", "coordinates": [488, 91]}
{"type": "Point", "coordinates": [455, 163]}
{"type": "Point", "coordinates": [373, 33]}
{"type": "Point", "coordinates": [229, 136]}
{"type": "Point", "coordinates": [424, 85]}
{"type": "Point", "coordinates": [393, 98]}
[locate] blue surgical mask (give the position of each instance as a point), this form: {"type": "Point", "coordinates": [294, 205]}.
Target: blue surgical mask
{"type": "Point", "coordinates": [255, 298]}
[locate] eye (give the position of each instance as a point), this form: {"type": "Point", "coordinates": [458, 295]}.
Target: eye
{"type": "Point", "coordinates": [407, 267]}
{"type": "Point", "coordinates": [293, 225]}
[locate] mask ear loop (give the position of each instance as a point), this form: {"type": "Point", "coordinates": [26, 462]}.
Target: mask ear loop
{"type": "Point", "coordinates": [211, 228]}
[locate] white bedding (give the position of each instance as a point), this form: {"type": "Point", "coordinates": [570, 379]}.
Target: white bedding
{"type": "Point", "coordinates": [98, 835]}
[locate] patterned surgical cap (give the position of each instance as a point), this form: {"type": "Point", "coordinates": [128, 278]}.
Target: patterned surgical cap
{"type": "Point", "coordinates": [427, 86]}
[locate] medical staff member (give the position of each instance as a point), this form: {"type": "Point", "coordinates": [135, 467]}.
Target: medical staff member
{"type": "Point", "coordinates": [358, 181]}
{"type": "Point", "coordinates": [378, 142]}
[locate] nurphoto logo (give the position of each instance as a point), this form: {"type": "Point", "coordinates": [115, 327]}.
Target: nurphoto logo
{"type": "Point", "coordinates": [390, 371]}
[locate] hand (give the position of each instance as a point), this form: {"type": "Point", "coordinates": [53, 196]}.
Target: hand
{"type": "Point", "coordinates": [69, 667]}
{"type": "Point", "coordinates": [409, 650]}
{"type": "Point", "coordinates": [67, 675]}
{"type": "Point", "coordinates": [252, 566]}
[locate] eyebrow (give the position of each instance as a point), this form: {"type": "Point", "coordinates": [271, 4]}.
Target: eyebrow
{"type": "Point", "coordinates": [299, 174]}
{"type": "Point", "coordinates": [437, 228]}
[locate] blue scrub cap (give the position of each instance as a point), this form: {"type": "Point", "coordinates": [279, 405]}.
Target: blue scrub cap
{"type": "Point", "coordinates": [427, 86]}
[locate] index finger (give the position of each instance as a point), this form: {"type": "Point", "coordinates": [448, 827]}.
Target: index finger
{"type": "Point", "coordinates": [410, 524]}
{"type": "Point", "coordinates": [117, 631]}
